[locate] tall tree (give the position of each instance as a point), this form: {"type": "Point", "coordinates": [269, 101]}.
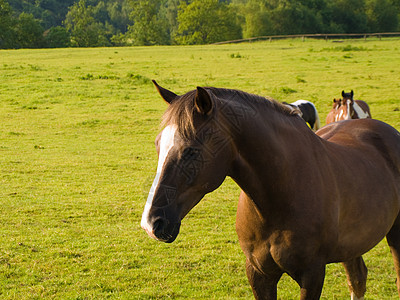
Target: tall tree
{"type": "Point", "coordinates": [171, 14]}
{"type": "Point", "coordinates": [349, 15]}
{"type": "Point", "coordinates": [119, 12]}
{"type": "Point", "coordinates": [273, 17]}
{"type": "Point", "coordinates": [149, 26]}
{"type": "Point", "coordinates": [57, 37]}
{"type": "Point", "coordinates": [7, 25]}
{"type": "Point", "coordinates": [29, 32]}
{"type": "Point", "coordinates": [381, 16]}
{"type": "Point", "coordinates": [85, 30]}
{"type": "Point", "coordinates": [49, 12]}
{"type": "Point", "coordinates": [294, 17]}
{"type": "Point", "coordinates": [206, 21]}
{"type": "Point", "coordinates": [257, 19]}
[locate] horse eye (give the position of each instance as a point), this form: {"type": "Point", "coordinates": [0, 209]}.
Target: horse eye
{"type": "Point", "coordinates": [190, 153]}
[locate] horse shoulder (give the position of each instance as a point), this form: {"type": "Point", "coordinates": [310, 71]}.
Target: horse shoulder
{"type": "Point", "coordinates": [270, 244]}
{"type": "Point", "coordinates": [250, 228]}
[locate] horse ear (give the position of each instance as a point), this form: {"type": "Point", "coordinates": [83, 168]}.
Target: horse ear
{"type": "Point", "coordinates": [167, 95]}
{"type": "Point", "coordinates": [343, 94]}
{"type": "Point", "coordinates": [202, 101]}
{"type": "Point", "coordinates": [351, 94]}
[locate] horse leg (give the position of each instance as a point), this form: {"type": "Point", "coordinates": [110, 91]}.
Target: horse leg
{"type": "Point", "coordinates": [264, 285]}
{"type": "Point", "coordinates": [356, 273]}
{"type": "Point", "coordinates": [393, 239]}
{"type": "Point", "coordinates": [311, 282]}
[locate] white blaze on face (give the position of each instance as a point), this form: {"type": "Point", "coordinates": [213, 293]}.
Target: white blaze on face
{"type": "Point", "coordinates": [339, 116]}
{"type": "Point", "coordinates": [348, 116]}
{"type": "Point", "coordinates": [361, 114]}
{"type": "Point", "coordinates": [354, 297]}
{"type": "Point", "coordinates": [166, 144]}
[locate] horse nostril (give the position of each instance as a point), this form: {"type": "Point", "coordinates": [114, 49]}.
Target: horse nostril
{"type": "Point", "coordinates": [163, 230]}
{"type": "Point", "coordinates": [159, 226]}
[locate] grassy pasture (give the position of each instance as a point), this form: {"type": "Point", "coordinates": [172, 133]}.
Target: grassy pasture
{"type": "Point", "coordinates": [77, 159]}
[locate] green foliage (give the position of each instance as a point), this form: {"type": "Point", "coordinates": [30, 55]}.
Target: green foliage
{"type": "Point", "coordinates": [149, 26]}
{"type": "Point", "coordinates": [170, 11]}
{"type": "Point", "coordinates": [7, 26]}
{"type": "Point", "coordinates": [206, 21]}
{"type": "Point", "coordinates": [58, 37]}
{"type": "Point", "coordinates": [29, 32]}
{"type": "Point", "coordinates": [152, 22]}
{"type": "Point", "coordinates": [109, 18]}
{"type": "Point", "coordinates": [346, 48]}
{"type": "Point", "coordinates": [85, 30]}
{"type": "Point", "coordinates": [350, 15]}
{"type": "Point", "coordinates": [286, 15]}
{"type": "Point", "coordinates": [257, 19]}
{"type": "Point", "coordinates": [139, 79]}
{"type": "Point", "coordinates": [294, 17]}
{"type": "Point", "coordinates": [382, 16]}
{"type": "Point", "coordinates": [50, 12]}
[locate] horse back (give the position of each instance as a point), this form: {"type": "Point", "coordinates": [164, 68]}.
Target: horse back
{"type": "Point", "coordinates": [364, 156]}
{"type": "Point", "coordinates": [364, 135]}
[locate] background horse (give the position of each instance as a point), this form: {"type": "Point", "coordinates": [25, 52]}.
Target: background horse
{"type": "Point", "coordinates": [308, 112]}
{"type": "Point", "coordinates": [298, 209]}
{"type": "Point", "coordinates": [347, 108]}
{"type": "Point", "coordinates": [331, 117]}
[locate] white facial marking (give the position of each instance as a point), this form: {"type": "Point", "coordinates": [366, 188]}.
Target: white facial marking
{"type": "Point", "coordinates": [339, 116]}
{"type": "Point", "coordinates": [166, 144]}
{"type": "Point", "coordinates": [348, 116]}
{"type": "Point", "coordinates": [354, 297]}
{"type": "Point", "coordinates": [361, 114]}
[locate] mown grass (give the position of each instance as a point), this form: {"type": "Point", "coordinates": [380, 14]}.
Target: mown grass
{"type": "Point", "coordinates": [77, 159]}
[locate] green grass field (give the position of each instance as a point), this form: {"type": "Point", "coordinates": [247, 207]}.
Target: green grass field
{"type": "Point", "coordinates": [77, 159]}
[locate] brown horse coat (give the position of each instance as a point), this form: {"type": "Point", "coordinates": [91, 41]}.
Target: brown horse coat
{"type": "Point", "coordinates": [307, 200]}
{"type": "Point", "coordinates": [333, 113]}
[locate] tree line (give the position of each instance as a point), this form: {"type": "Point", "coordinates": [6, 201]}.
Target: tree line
{"type": "Point", "coordinates": [93, 23]}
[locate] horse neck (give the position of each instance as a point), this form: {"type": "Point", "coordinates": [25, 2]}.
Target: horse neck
{"type": "Point", "coordinates": [361, 108]}
{"type": "Point", "coordinates": [268, 147]}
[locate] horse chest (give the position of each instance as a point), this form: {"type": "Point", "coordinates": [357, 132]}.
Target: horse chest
{"type": "Point", "coordinates": [267, 243]}
{"type": "Point", "coordinates": [281, 249]}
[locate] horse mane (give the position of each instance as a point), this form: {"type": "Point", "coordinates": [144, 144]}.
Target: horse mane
{"type": "Point", "coordinates": [181, 111]}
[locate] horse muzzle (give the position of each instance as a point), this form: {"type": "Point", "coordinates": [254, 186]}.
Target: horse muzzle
{"type": "Point", "coordinates": [165, 231]}
{"type": "Point", "coordinates": [160, 228]}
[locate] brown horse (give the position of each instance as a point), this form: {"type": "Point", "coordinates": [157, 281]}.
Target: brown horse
{"type": "Point", "coordinates": [332, 115]}
{"type": "Point", "coordinates": [347, 108]}
{"type": "Point", "coordinates": [307, 199]}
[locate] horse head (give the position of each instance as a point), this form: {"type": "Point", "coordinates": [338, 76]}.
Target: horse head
{"type": "Point", "coordinates": [193, 159]}
{"type": "Point", "coordinates": [336, 103]}
{"type": "Point", "coordinates": [348, 95]}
